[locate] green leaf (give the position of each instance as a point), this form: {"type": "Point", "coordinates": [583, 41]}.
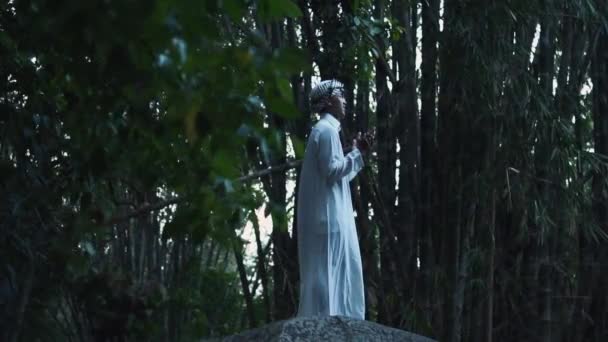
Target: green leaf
{"type": "Point", "coordinates": [291, 60]}
{"type": "Point", "coordinates": [273, 9]}
{"type": "Point", "coordinates": [299, 147]}
{"type": "Point", "coordinates": [282, 107]}
{"type": "Point", "coordinates": [285, 89]}
{"type": "Point", "coordinates": [235, 8]}
{"type": "Point", "coordinates": [224, 163]}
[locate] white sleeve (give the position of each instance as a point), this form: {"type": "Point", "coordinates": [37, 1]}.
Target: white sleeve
{"type": "Point", "coordinates": [333, 164]}
{"type": "Point", "coordinates": [358, 165]}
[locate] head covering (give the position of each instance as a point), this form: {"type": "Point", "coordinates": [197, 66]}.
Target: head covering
{"type": "Point", "coordinates": [322, 91]}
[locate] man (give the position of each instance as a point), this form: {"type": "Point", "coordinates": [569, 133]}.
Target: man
{"type": "Point", "coordinates": [331, 280]}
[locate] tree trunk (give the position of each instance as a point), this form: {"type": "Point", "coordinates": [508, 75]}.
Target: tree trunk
{"type": "Point", "coordinates": [261, 264]}
{"type": "Point", "coordinates": [426, 208]}
{"type": "Point", "coordinates": [546, 48]}
{"type": "Point", "coordinates": [407, 134]}
{"type": "Point", "coordinates": [450, 128]}
{"type": "Point", "coordinates": [598, 311]}
{"type": "Point", "coordinates": [361, 199]}
{"type": "Point", "coordinates": [237, 249]}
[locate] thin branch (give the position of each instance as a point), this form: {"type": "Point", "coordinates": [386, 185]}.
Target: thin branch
{"type": "Point", "coordinates": [529, 175]}
{"type": "Point", "coordinates": [288, 165]}
{"type": "Point", "coordinates": [176, 200]}
{"type": "Point", "coordinates": [144, 209]}
{"type": "Point", "coordinates": [24, 299]}
{"type": "Point", "coordinates": [388, 70]}
{"type": "Point", "coordinates": [292, 164]}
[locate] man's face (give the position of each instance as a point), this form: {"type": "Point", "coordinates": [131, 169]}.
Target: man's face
{"type": "Point", "coordinates": [338, 106]}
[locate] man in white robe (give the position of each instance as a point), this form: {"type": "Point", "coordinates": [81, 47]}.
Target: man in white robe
{"type": "Point", "coordinates": [331, 279]}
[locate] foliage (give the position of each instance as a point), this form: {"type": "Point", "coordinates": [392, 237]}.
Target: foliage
{"type": "Point", "coordinates": [107, 107]}
{"type": "Point", "coordinates": [126, 128]}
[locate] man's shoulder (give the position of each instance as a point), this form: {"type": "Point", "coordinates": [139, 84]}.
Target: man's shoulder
{"type": "Point", "coordinates": [324, 127]}
{"type": "Point", "coordinates": [321, 131]}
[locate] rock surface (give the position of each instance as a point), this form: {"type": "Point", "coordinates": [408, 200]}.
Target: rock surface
{"type": "Point", "coordinates": [333, 328]}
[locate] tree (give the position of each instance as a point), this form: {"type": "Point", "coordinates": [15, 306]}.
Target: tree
{"type": "Point", "coordinates": [139, 141]}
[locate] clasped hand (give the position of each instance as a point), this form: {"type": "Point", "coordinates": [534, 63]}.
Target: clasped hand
{"type": "Point", "coordinates": [363, 142]}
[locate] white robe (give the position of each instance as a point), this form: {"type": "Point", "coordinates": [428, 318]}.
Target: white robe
{"type": "Point", "coordinates": [331, 279]}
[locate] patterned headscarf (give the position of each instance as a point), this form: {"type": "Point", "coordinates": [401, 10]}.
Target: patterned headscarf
{"type": "Point", "coordinates": [323, 91]}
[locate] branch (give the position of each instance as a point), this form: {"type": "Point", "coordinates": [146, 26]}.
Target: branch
{"type": "Point", "coordinates": [383, 62]}
{"type": "Point", "coordinates": [176, 200]}
{"type": "Point", "coordinates": [24, 299]}
{"type": "Point", "coordinates": [388, 70]}
{"type": "Point", "coordinates": [288, 165]}
{"type": "Point", "coordinates": [292, 164]}
{"type": "Point", "coordinates": [144, 209]}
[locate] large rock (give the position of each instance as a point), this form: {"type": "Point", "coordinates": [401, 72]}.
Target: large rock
{"type": "Point", "coordinates": [333, 328]}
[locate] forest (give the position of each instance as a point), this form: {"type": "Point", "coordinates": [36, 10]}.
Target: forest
{"type": "Point", "coordinates": [149, 161]}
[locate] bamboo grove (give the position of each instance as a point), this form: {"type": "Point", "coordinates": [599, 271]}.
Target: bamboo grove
{"type": "Point", "coordinates": [140, 138]}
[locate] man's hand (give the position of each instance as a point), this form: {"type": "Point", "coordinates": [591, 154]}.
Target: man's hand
{"type": "Point", "coordinates": [363, 142]}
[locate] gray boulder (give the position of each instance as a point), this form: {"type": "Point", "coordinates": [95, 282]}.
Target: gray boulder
{"type": "Point", "coordinates": [334, 328]}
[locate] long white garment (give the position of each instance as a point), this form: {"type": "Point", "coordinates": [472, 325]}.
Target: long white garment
{"type": "Point", "coordinates": [331, 279]}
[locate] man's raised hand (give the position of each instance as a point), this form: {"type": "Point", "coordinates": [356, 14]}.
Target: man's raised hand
{"type": "Point", "coordinates": [363, 142]}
